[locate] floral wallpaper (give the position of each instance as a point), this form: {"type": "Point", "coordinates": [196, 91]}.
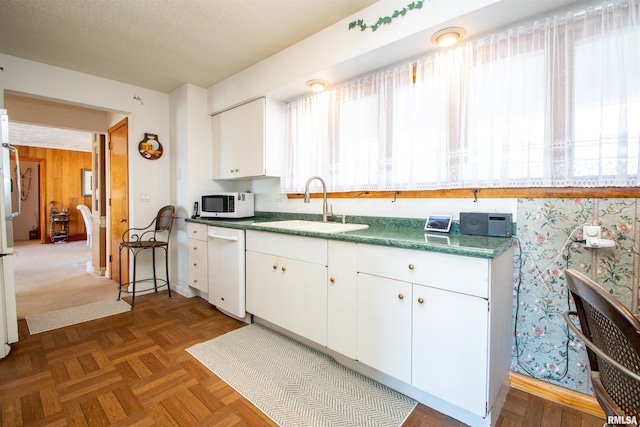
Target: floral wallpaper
{"type": "Point", "coordinates": [549, 231]}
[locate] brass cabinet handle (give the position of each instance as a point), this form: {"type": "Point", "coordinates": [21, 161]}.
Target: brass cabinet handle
{"type": "Point", "coordinates": [411, 266]}
{"type": "Point", "coordinates": [275, 266]}
{"type": "Point", "coordinates": [284, 268]}
{"type": "Point", "coordinates": [400, 296]}
{"type": "Point", "coordinates": [195, 248]}
{"type": "Point", "coordinates": [195, 264]}
{"type": "Point", "coordinates": [332, 280]}
{"type": "Point", "coordinates": [420, 300]}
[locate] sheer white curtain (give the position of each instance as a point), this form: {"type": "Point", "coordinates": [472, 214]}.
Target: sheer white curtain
{"type": "Point", "coordinates": [554, 104]}
{"type": "Point", "coordinates": [344, 135]}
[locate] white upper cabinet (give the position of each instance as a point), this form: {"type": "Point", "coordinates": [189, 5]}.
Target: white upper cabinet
{"type": "Point", "coordinates": [247, 140]}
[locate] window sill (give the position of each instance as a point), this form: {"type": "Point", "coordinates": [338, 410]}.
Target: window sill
{"type": "Point", "coordinates": [487, 193]}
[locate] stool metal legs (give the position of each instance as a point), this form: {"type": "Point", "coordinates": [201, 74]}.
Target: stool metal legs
{"type": "Point", "coordinates": [135, 252]}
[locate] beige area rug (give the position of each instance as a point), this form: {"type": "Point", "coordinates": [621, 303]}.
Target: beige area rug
{"type": "Point", "coordinates": [53, 277]}
{"type": "Point", "coordinates": [297, 386]}
{"type": "Point", "coordinates": [72, 316]}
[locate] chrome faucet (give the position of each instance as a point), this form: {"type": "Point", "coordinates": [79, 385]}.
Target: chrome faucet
{"type": "Point", "coordinates": [326, 211]}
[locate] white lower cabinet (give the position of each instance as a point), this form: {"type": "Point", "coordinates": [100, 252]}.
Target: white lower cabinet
{"type": "Point", "coordinates": [438, 322]}
{"type": "Point", "coordinates": [342, 297]}
{"type": "Point", "coordinates": [425, 318]}
{"type": "Point", "coordinates": [449, 346]}
{"type": "Point", "coordinates": [197, 256]}
{"type": "Point", "coordinates": [424, 336]}
{"type": "Point", "coordinates": [384, 325]}
{"type": "Point", "coordinates": [287, 282]}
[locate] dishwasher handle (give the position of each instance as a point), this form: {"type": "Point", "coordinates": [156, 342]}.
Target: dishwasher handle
{"type": "Point", "coordinates": [219, 237]}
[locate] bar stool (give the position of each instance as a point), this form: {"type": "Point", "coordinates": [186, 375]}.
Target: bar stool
{"type": "Point", "coordinates": [137, 240]}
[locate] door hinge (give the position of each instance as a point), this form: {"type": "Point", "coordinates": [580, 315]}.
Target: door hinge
{"type": "Point", "coordinates": [109, 145]}
{"type": "Point", "coordinates": [109, 258]}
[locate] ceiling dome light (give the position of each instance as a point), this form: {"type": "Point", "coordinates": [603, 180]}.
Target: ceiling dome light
{"type": "Point", "coordinates": [317, 85]}
{"type": "Point", "coordinates": [448, 36]}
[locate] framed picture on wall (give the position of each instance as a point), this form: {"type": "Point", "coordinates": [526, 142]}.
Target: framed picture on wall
{"type": "Point", "coordinates": [87, 189]}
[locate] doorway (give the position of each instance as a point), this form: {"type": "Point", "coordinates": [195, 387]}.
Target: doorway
{"type": "Point", "coordinates": [61, 162]}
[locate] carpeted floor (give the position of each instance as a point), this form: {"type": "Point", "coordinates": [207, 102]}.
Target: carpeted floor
{"type": "Point", "coordinates": [297, 386]}
{"type": "Point", "coordinates": [53, 277]}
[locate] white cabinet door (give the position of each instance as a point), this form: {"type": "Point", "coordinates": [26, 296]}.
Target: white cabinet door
{"type": "Point", "coordinates": [264, 287]}
{"type": "Point", "coordinates": [305, 299]}
{"type": "Point", "coordinates": [239, 135]}
{"type": "Point", "coordinates": [197, 273]}
{"type": "Point", "coordinates": [247, 140]}
{"type": "Point", "coordinates": [289, 293]}
{"type": "Point", "coordinates": [384, 325]}
{"type": "Point", "coordinates": [227, 269]}
{"type": "Point", "coordinates": [342, 297]}
{"type": "Point", "coordinates": [450, 347]}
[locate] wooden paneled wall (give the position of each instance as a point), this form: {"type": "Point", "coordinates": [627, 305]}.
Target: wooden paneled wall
{"type": "Point", "coordinates": [60, 175]}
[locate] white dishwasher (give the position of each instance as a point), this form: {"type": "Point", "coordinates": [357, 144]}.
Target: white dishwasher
{"type": "Point", "coordinates": [226, 248]}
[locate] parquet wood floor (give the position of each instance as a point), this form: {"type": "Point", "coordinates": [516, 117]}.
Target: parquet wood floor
{"type": "Point", "coordinates": [132, 370]}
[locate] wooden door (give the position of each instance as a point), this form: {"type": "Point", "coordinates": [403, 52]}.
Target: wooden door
{"type": "Point", "coordinates": [118, 198]}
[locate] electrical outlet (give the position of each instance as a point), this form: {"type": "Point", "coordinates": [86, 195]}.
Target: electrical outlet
{"type": "Point", "coordinates": [593, 237]}
{"type": "Point", "coordinates": [591, 232]}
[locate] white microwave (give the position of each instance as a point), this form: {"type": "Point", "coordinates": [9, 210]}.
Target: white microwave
{"type": "Point", "coordinates": [226, 205]}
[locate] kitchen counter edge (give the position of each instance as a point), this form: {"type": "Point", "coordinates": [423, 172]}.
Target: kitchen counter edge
{"type": "Point", "coordinates": [404, 233]}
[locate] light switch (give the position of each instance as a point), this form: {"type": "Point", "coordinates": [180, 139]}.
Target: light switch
{"type": "Point", "coordinates": [145, 197]}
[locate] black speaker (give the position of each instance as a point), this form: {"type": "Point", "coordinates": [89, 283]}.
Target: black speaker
{"type": "Point", "coordinates": [485, 224]}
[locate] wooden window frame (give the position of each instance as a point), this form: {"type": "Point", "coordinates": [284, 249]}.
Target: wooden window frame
{"type": "Point", "coordinates": [487, 193]}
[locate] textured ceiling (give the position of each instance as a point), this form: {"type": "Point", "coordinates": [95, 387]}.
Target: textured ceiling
{"type": "Point", "coordinates": [48, 137]}
{"type": "Point", "coordinates": [162, 44]}
{"type": "Point", "coordinates": [155, 44]}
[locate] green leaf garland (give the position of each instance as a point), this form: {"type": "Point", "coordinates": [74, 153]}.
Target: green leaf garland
{"type": "Point", "coordinates": [386, 19]}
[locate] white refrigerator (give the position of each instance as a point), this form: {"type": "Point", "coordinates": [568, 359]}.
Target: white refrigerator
{"type": "Point", "coordinates": [8, 314]}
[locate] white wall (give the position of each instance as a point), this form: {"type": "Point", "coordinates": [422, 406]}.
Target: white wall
{"type": "Point", "coordinates": [192, 160]}
{"type": "Point", "coordinates": [268, 198]}
{"type": "Point", "coordinates": [337, 54]}
{"type": "Point", "coordinates": [149, 116]}
{"type": "Point", "coordinates": [53, 83]}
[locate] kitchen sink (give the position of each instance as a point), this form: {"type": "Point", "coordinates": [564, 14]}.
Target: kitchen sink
{"type": "Point", "coordinates": [313, 226]}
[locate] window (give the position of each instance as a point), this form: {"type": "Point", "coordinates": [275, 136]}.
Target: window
{"type": "Point", "coordinates": [552, 105]}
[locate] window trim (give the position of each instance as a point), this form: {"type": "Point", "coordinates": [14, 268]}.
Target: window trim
{"type": "Point", "coordinates": [488, 193]}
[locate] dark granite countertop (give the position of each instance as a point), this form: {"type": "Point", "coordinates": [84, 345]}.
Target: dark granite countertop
{"type": "Point", "coordinates": [396, 232]}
